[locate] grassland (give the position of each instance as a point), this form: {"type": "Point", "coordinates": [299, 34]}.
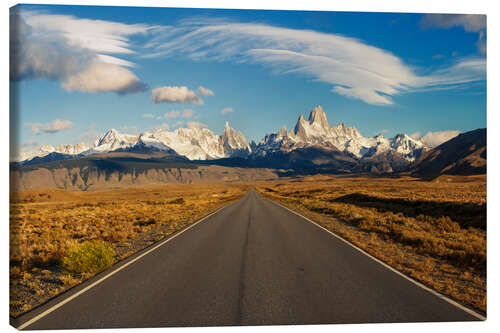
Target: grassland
{"type": "Point", "coordinates": [46, 224]}
{"type": "Point", "coordinates": [433, 231]}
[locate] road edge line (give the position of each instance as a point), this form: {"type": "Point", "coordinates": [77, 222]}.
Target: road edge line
{"type": "Point", "coordinates": [75, 295]}
{"type": "Point", "coordinates": [419, 284]}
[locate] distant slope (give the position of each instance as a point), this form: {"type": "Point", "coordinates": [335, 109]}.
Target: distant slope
{"type": "Point", "coordinates": [462, 155]}
{"type": "Point", "coordinates": [308, 160]}
{"type": "Point", "coordinates": [125, 169]}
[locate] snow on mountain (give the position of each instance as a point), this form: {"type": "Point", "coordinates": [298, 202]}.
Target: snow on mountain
{"type": "Point", "coordinates": [112, 140]}
{"type": "Point", "coordinates": [234, 143]}
{"type": "Point", "coordinates": [45, 150]}
{"type": "Point", "coordinates": [193, 143]}
{"type": "Point", "coordinates": [148, 140]}
{"type": "Point", "coordinates": [315, 131]}
{"type": "Point", "coordinates": [203, 144]}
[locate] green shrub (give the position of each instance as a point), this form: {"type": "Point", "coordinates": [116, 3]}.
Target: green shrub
{"type": "Point", "coordinates": [89, 257]}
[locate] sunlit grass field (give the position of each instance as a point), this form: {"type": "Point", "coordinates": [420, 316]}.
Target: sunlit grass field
{"type": "Point", "coordinates": [433, 231]}
{"type": "Point", "coordinates": [47, 227]}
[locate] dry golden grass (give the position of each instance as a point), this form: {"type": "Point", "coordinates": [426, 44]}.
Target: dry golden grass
{"type": "Point", "coordinates": [45, 224]}
{"type": "Point", "coordinates": [433, 231]}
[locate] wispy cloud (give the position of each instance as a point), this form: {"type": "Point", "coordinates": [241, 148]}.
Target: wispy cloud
{"type": "Point", "coordinates": [52, 127]}
{"type": "Point", "coordinates": [148, 115]}
{"type": "Point", "coordinates": [87, 55]}
{"type": "Point", "coordinates": [469, 22]}
{"type": "Point", "coordinates": [175, 94]}
{"type": "Point", "coordinates": [353, 68]}
{"type": "Point", "coordinates": [205, 91]}
{"type": "Point", "coordinates": [226, 110]}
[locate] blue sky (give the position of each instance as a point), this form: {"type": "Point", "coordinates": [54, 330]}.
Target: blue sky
{"type": "Point", "coordinates": [81, 70]}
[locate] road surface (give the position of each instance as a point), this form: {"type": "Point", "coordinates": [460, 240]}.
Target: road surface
{"type": "Point", "coordinates": [251, 263]}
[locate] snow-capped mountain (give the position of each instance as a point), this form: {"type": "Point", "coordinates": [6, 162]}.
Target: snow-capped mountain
{"type": "Point", "coordinates": [113, 140]}
{"type": "Point", "coordinates": [203, 144]}
{"type": "Point", "coordinates": [315, 131]}
{"type": "Point", "coordinates": [193, 143]}
{"type": "Point", "coordinates": [234, 143]}
{"type": "Point", "coordinates": [45, 150]}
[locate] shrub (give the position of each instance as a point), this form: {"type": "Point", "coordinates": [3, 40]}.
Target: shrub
{"type": "Point", "coordinates": [89, 257]}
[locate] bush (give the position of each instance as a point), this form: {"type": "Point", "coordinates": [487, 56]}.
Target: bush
{"type": "Point", "coordinates": [89, 257]}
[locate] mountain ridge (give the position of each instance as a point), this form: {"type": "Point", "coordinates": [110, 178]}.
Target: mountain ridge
{"type": "Point", "coordinates": [202, 144]}
{"type": "Point", "coordinates": [311, 145]}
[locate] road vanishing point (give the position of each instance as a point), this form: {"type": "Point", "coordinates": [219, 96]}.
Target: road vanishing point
{"type": "Point", "coordinates": [253, 262]}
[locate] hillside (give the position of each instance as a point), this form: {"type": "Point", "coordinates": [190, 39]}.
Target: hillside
{"type": "Point", "coordinates": [126, 169]}
{"type": "Point", "coordinates": [462, 155]}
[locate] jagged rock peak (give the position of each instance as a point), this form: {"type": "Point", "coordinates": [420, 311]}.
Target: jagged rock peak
{"type": "Point", "coordinates": [283, 131]}
{"type": "Point", "coordinates": [318, 116]}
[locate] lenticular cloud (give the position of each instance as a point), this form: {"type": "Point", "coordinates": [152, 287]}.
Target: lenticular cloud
{"type": "Point", "coordinates": [353, 68]}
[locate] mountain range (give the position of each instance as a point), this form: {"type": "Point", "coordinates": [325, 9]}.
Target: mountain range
{"type": "Point", "coordinates": [188, 155]}
{"type": "Point", "coordinates": [203, 144]}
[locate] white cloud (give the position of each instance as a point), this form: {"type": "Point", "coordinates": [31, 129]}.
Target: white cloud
{"type": "Point", "coordinates": [470, 22]}
{"type": "Point", "coordinates": [95, 35]}
{"type": "Point", "coordinates": [57, 126]}
{"type": "Point", "coordinates": [52, 127]}
{"type": "Point", "coordinates": [464, 71]}
{"type": "Point", "coordinates": [195, 124]}
{"type": "Point", "coordinates": [205, 91]}
{"type": "Point", "coordinates": [226, 110]}
{"type": "Point", "coordinates": [158, 118]}
{"type": "Point", "coordinates": [115, 61]}
{"type": "Point", "coordinates": [171, 114]}
{"type": "Point", "coordinates": [187, 113]}
{"type": "Point", "coordinates": [102, 77]}
{"type": "Point", "coordinates": [353, 68]}
{"type": "Point", "coordinates": [434, 139]}
{"type": "Point", "coordinates": [148, 115]}
{"type": "Point", "coordinates": [417, 135]}
{"type": "Point", "coordinates": [73, 51]}
{"type": "Point", "coordinates": [175, 94]}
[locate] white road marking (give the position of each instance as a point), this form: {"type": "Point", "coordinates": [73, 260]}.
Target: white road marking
{"type": "Point", "coordinates": [443, 297]}
{"type": "Point", "coordinates": [58, 305]}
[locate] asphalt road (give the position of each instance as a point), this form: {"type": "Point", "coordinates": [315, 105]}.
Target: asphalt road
{"type": "Point", "coordinates": [251, 263]}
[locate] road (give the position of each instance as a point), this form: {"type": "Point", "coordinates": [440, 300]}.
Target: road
{"type": "Point", "coordinates": [251, 263]}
